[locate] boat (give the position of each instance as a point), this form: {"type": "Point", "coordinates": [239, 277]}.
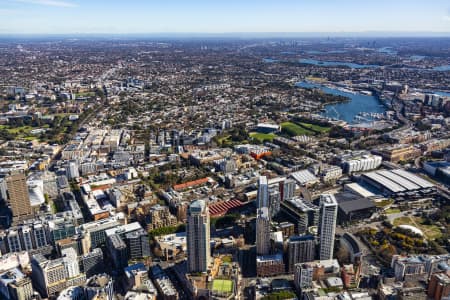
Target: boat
{"type": "Point", "coordinates": [367, 93]}
{"type": "Point", "coordinates": [346, 90]}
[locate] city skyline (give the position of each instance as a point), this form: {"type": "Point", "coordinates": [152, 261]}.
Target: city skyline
{"type": "Point", "coordinates": [135, 17]}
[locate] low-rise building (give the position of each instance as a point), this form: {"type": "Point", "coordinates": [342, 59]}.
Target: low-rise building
{"type": "Point", "coordinates": [164, 285]}
{"type": "Point", "coordinates": [270, 265]}
{"type": "Point", "coordinates": [398, 153]}
{"type": "Point", "coordinates": [160, 216]}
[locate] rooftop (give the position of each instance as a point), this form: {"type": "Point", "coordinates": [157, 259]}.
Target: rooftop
{"type": "Point", "coordinates": [123, 229]}
{"type": "Point", "coordinates": [272, 257]}
{"type": "Point", "coordinates": [349, 202]}
{"type": "Point", "coordinates": [98, 281]}
{"type": "Point", "coordinates": [11, 276]}
{"type": "Point", "coordinates": [197, 206]}
{"type": "Point", "coordinates": [299, 238]}
{"type": "Point", "coordinates": [328, 200]}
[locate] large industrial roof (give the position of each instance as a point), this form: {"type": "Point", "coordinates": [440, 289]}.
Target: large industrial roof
{"type": "Point", "coordinates": [398, 180]}
{"type": "Point", "coordinates": [407, 184]}
{"type": "Point", "coordinates": [390, 185]}
{"type": "Point", "coordinates": [414, 178]}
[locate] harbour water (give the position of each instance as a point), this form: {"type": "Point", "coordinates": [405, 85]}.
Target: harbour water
{"type": "Point", "coordinates": [417, 57]}
{"type": "Point", "coordinates": [387, 50]}
{"type": "Point", "coordinates": [442, 68]}
{"type": "Point", "coordinates": [359, 106]}
{"type": "Point", "coordinates": [326, 52]}
{"type": "Point", "coordinates": [445, 94]}
{"type": "Point", "coordinates": [269, 60]}
{"type": "Point", "coordinates": [335, 64]}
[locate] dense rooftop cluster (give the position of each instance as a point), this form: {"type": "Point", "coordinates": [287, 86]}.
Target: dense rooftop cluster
{"type": "Point", "coordinates": [224, 169]}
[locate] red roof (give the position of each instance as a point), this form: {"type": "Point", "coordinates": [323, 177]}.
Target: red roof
{"type": "Point", "coordinates": [100, 187]}
{"type": "Point", "coordinates": [221, 208]}
{"type": "Point", "coordinates": [189, 184]}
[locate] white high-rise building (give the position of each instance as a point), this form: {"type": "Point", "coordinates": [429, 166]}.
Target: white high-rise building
{"type": "Point", "coordinates": [263, 192]}
{"type": "Point", "coordinates": [262, 231]}
{"type": "Point", "coordinates": [198, 237]}
{"type": "Point", "coordinates": [327, 225]}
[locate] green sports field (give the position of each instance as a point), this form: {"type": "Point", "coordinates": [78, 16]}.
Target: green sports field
{"type": "Point", "coordinates": [293, 129]}
{"type": "Point", "coordinates": [262, 137]}
{"type": "Point", "coordinates": [223, 285]}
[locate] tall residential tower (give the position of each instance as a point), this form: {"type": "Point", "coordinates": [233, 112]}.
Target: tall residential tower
{"type": "Point", "coordinates": [263, 192]}
{"type": "Point", "coordinates": [198, 237]}
{"type": "Point", "coordinates": [262, 231]}
{"type": "Point", "coordinates": [327, 225]}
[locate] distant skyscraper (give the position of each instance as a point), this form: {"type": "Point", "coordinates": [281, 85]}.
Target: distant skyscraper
{"type": "Point", "coordinates": [327, 225]}
{"type": "Point", "coordinates": [198, 237]}
{"type": "Point", "coordinates": [262, 231]}
{"type": "Point", "coordinates": [263, 192]}
{"type": "Point", "coordinates": [18, 196]}
{"type": "Point", "coordinates": [300, 249]}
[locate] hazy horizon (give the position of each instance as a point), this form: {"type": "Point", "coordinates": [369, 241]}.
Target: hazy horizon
{"type": "Point", "coordinates": [101, 17]}
{"type": "Point", "coordinates": [235, 35]}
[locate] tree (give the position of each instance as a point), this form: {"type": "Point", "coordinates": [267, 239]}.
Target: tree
{"type": "Point", "coordinates": [239, 134]}
{"type": "Point", "coordinates": [99, 93]}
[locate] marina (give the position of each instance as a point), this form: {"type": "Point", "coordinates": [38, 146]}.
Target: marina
{"type": "Point", "coordinates": [362, 107]}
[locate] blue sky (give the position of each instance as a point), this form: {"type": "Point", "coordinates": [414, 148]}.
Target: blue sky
{"type": "Point", "coordinates": [222, 16]}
